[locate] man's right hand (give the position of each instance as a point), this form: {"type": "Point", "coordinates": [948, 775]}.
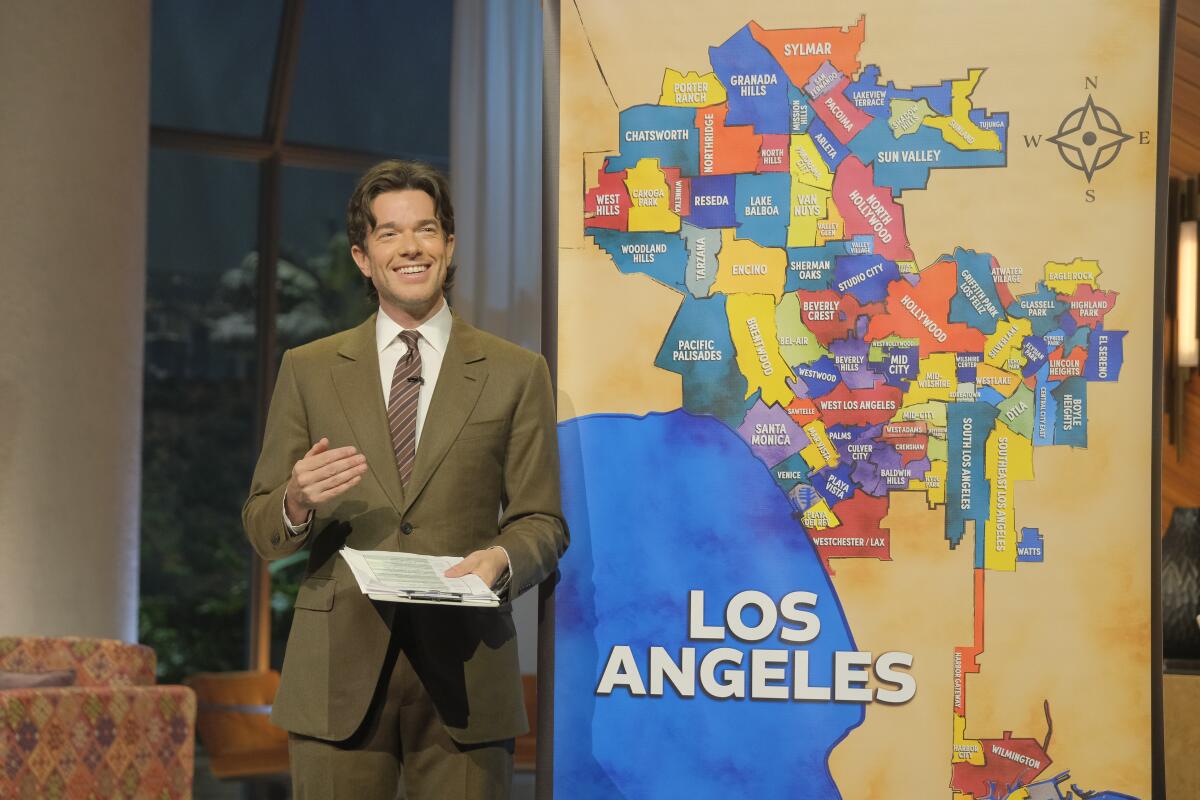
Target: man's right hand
{"type": "Point", "coordinates": [321, 475]}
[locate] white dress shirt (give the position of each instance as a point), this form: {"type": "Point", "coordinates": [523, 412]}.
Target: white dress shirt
{"type": "Point", "coordinates": [435, 335]}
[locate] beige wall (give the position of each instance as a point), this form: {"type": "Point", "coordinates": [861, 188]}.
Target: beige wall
{"type": "Point", "coordinates": [74, 99]}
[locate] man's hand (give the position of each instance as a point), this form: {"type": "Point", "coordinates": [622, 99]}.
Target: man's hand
{"type": "Point", "coordinates": [320, 476]}
{"type": "Point", "coordinates": [488, 564]}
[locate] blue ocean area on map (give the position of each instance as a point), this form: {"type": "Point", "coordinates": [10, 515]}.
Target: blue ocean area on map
{"type": "Point", "coordinates": [659, 524]}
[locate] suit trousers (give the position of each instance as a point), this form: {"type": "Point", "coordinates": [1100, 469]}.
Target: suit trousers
{"type": "Point", "coordinates": [401, 742]}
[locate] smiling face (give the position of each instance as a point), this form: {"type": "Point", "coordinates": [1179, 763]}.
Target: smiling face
{"type": "Point", "coordinates": [407, 256]}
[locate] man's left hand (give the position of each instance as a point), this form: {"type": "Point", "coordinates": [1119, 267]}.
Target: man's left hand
{"type": "Point", "coordinates": [488, 564]}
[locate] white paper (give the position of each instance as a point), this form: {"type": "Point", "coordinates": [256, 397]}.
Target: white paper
{"type": "Point", "coordinates": [407, 577]}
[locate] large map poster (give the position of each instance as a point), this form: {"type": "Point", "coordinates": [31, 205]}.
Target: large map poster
{"type": "Point", "coordinates": [855, 366]}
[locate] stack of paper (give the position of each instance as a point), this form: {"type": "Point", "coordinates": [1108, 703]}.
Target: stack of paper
{"type": "Point", "coordinates": [410, 578]}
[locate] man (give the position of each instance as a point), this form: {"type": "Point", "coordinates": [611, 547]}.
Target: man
{"type": "Point", "coordinates": [408, 433]}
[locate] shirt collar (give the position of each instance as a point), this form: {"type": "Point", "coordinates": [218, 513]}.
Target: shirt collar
{"type": "Point", "coordinates": [435, 330]}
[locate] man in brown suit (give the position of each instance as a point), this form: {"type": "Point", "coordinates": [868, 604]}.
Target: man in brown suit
{"type": "Point", "coordinates": [412, 432]}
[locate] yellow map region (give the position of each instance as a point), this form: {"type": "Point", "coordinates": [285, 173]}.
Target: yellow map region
{"type": "Point", "coordinates": [752, 328]}
{"type": "Point", "coordinates": [820, 451]}
{"type": "Point", "coordinates": [958, 129]}
{"type": "Point", "coordinates": [935, 479]}
{"type": "Point", "coordinates": [809, 206]}
{"type": "Point", "coordinates": [1009, 459]}
{"type": "Point", "coordinates": [936, 379]}
{"type": "Point", "coordinates": [1065, 278]}
{"type": "Point", "coordinates": [746, 267]}
{"type": "Point", "coordinates": [1002, 349]}
{"type": "Point", "coordinates": [832, 228]}
{"type": "Point", "coordinates": [820, 516]}
{"type": "Point", "coordinates": [692, 90]}
{"type": "Point", "coordinates": [969, 750]}
{"type": "Point", "coordinates": [806, 163]}
{"type": "Point", "coordinates": [1002, 381]}
{"type": "Point", "coordinates": [650, 200]}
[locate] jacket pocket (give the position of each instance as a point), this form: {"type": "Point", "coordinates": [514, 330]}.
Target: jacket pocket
{"type": "Point", "coordinates": [489, 427]}
{"type": "Point", "coordinates": [316, 594]}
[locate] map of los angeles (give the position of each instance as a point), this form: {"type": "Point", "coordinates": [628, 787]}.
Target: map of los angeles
{"type": "Point", "coordinates": [768, 192]}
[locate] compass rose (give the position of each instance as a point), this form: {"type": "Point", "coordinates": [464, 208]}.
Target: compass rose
{"type": "Point", "coordinates": [1089, 138]}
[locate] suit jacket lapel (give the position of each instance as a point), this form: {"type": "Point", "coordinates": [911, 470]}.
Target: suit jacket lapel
{"type": "Point", "coordinates": [357, 382]}
{"type": "Point", "coordinates": [459, 385]}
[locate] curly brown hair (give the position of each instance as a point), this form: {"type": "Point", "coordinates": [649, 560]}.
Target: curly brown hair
{"type": "Point", "coordinates": [394, 176]}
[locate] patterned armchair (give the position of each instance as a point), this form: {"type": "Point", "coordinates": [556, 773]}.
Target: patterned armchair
{"type": "Point", "coordinates": [112, 734]}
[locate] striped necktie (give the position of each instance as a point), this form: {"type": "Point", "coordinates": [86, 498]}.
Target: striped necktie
{"type": "Point", "coordinates": [402, 406]}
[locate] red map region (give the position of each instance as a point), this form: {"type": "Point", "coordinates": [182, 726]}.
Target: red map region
{"type": "Point", "coordinates": [966, 659]}
{"type": "Point", "coordinates": [841, 116]}
{"type": "Point", "coordinates": [725, 150]}
{"type": "Point", "coordinates": [831, 315]}
{"type": "Point", "coordinates": [870, 210]}
{"type": "Point", "coordinates": [859, 535]}
{"type": "Point", "coordinates": [1088, 305]}
{"type": "Point", "coordinates": [1004, 293]}
{"type": "Point", "coordinates": [922, 312]}
{"type": "Point", "coordinates": [910, 448]}
{"type": "Point", "coordinates": [607, 205]}
{"type": "Point", "coordinates": [801, 51]}
{"type": "Point", "coordinates": [680, 190]}
{"type": "Point", "coordinates": [846, 406]}
{"type": "Point", "coordinates": [773, 154]}
{"type": "Point", "coordinates": [802, 411]}
{"type": "Point", "coordinates": [1009, 763]}
{"type": "Point", "coordinates": [1068, 366]}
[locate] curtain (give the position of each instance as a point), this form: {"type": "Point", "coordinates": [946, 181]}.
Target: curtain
{"type": "Point", "coordinates": [496, 166]}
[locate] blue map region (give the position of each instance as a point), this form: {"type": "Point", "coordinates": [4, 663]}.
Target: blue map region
{"type": "Point", "coordinates": [966, 365]}
{"type": "Point", "coordinates": [1045, 409]}
{"type": "Point", "coordinates": [710, 385]}
{"type": "Point", "coordinates": [666, 133]}
{"type": "Point", "coordinates": [832, 151]}
{"type": "Point", "coordinates": [1041, 307]}
{"type": "Point", "coordinates": [976, 302]}
{"type": "Point", "coordinates": [1070, 412]}
{"type": "Point", "coordinates": [818, 378]}
{"type": "Point", "coordinates": [712, 202]}
{"type": "Point", "coordinates": [996, 123]}
{"type": "Point", "coordinates": [1077, 339]}
{"type": "Point", "coordinates": [835, 485]}
{"type": "Point", "coordinates": [762, 208]}
{"type": "Point", "coordinates": [791, 471]}
{"type": "Point", "coordinates": [1106, 354]}
{"type": "Point", "coordinates": [662, 256]}
{"type": "Point", "coordinates": [905, 163]}
{"type": "Point", "coordinates": [939, 96]}
{"type": "Point", "coordinates": [865, 277]}
{"type": "Point", "coordinates": [1035, 351]}
{"type": "Point", "coordinates": [763, 105]}
{"type": "Point", "coordinates": [899, 366]}
{"type": "Point", "coordinates": [1030, 547]}
{"type": "Point", "coordinates": [800, 112]}
{"type": "Point", "coordinates": [967, 487]}
{"type": "Point", "coordinates": [811, 268]}
{"type": "Point", "coordinates": [659, 498]}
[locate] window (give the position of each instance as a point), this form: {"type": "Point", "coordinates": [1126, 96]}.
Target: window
{"type": "Point", "coordinates": [262, 117]}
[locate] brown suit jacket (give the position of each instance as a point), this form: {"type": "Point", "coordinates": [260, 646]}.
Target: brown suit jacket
{"type": "Point", "coordinates": [488, 442]}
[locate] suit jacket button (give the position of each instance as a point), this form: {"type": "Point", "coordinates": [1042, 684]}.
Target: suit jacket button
{"type": "Point", "coordinates": [274, 538]}
{"type": "Point", "coordinates": [406, 528]}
